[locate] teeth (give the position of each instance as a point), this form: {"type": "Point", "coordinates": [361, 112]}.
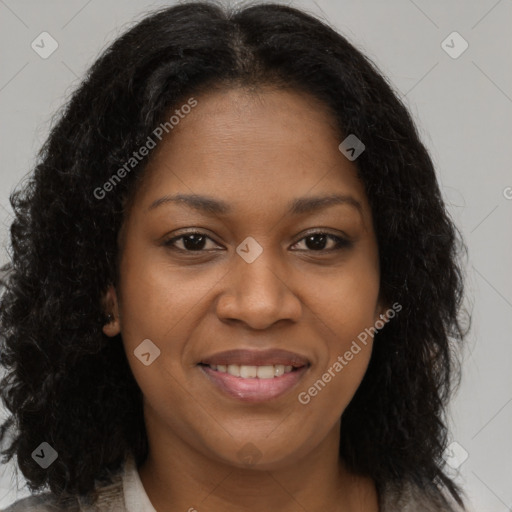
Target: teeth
{"type": "Point", "coordinates": [264, 372]}
{"type": "Point", "coordinates": [251, 372]}
{"type": "Point", "coordinates": [234, 369]}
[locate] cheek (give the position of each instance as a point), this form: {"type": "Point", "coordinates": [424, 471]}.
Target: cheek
{"type": "Point", "coordinates": [161, 303]}
{"type": "Point", "coordinates": [346, 298]}
{"type": "Point", "coordinates": [337, 378]}
{"type": "Point", "coordinates": [345, 306]}
{"type": "Point", "coordinates": [158, 300]}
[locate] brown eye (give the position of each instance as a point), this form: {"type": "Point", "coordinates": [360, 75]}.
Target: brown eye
{"type": "Point", "coordinates": [318, 242]}
{"type": "Point", "coordinates": [191, 242]}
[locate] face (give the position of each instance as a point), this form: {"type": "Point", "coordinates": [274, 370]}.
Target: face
{"type": "Point", "coordinates": [270, 270]}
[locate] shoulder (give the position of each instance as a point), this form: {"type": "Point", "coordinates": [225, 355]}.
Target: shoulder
{"type": "Point", "coordinates": [106, 498]}
{"type": "Point", "coordinates": [410, 497]}
{"type": "Point", "coordinates": [41, 503]}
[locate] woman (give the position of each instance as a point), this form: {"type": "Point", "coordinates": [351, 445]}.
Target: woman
{"type": "Point", "coordinates": [234, 283]}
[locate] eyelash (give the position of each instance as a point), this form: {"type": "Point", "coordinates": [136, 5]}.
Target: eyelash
{"type": "Point", "coordinates": [341, 243]}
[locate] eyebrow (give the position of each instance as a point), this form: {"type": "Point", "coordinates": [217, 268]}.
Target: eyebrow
{"type": "Point", "coordinates": [302, 205]}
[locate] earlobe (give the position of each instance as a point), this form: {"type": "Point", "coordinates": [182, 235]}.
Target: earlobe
{"type": "Point", "coordinates": [380, 313]}
{"type": "Point", "coordinates": [110, 305]}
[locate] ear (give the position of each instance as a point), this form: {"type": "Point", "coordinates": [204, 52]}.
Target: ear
{"type": "Point", "coordinates": [380, 310]}
{"type": "Point", "coordinates": [111, 307]}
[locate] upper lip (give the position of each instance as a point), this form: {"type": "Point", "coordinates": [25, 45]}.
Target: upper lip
{"type": "Point", "coordinates": [257, 358]}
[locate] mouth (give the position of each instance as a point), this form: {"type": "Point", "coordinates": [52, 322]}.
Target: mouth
{"type": "Point", "coordinates": [254, 376]}
{"type": "Point", "coordinates": [252, 372]}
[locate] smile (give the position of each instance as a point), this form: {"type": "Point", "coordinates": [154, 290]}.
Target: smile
{"type": "Point", "coordinates": [253, 383]}
{"type": "Point", "coordinates": [251, 372]}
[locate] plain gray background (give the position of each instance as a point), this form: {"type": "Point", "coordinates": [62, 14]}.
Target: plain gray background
{"type": "Point", "coordinates": [463, 107]}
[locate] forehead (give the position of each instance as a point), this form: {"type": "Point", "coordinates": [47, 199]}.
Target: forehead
{"type": "Point", "coordinates": [265, 147]}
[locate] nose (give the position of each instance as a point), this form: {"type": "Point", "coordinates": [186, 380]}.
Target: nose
{"type": "Point", "coordinates": [258, 294]}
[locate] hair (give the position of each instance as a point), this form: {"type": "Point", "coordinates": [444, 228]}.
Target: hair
{"type": "Point", "coordinates": [70, 385]}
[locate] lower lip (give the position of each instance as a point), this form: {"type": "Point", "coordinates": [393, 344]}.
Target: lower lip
{"type": "Point", "coordinates": [253, 390]}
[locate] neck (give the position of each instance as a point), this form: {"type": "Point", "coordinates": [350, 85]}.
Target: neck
{"type": "Point", "coordinates": [177, 475]}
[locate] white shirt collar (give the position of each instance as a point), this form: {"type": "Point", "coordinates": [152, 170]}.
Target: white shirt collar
{"type": "Point", "coordinates": [135, 495]}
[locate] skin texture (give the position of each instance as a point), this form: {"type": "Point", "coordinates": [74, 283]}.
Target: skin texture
{"type": "Point", "coordinates": [256, 151]}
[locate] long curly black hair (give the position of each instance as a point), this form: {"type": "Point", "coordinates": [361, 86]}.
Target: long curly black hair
{"type": "Point", "coordinates": [68, 384]}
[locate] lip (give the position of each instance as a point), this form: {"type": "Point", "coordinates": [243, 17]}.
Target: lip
{"type": "Point", "coordinates": [254, 390]}
{"type": "Point", "coordinates": [257, 358]}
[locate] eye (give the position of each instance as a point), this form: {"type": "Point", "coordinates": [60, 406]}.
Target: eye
{"type": "Point", "coordinates": [318, 240]}
{"type": "Point", "coordinates": [194, 241]}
